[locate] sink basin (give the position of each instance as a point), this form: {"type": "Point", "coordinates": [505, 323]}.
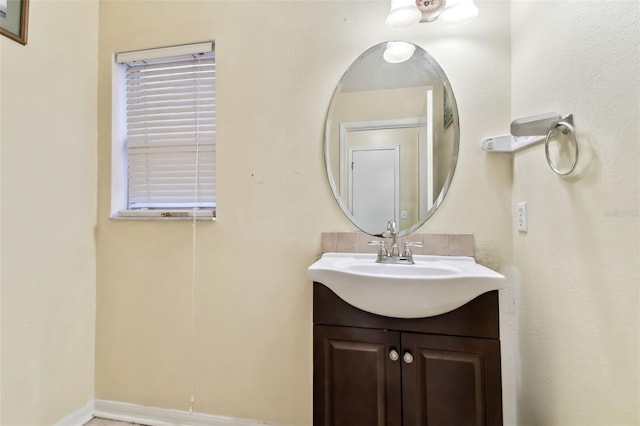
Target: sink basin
{"type": "Point", "coordinates": [432, 286]}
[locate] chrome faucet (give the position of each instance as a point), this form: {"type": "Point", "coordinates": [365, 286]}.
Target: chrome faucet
{"type": "Point", "coordinates": [392, 229]}
{"type": "Point", "coordinates": [393, 255]}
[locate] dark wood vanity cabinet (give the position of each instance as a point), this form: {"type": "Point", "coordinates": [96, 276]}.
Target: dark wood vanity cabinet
{"type": "Point", "coordinates": [371, 370]}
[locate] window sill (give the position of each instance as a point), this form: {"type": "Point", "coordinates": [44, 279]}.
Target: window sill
{"type": "Point", "coordinates": [164, 215]}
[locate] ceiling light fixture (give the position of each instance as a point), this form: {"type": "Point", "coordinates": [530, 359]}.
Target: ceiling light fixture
{"type": "Point", "coordinates": [406, 13]}
{"type": "Point", "coordinates": [403, 14]}
{"type": "Point", "coordinates": [430, 9]}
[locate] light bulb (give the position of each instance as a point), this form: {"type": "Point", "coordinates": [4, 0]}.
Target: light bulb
{"type": "Point", "coordinates": [403, 14]}
{"type": "Point", "coordinates": [398, 51]}
{"type": "Point", "coordinates": [459, 12]}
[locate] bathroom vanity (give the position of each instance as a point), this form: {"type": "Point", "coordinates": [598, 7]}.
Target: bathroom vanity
{"type": "Point", "coordinates": [398, 339]}
{"type": "Point", "coordinates": [376, 370]}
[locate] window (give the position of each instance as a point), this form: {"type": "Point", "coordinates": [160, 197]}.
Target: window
{"type": "Point", "coordinates": [164, 132]}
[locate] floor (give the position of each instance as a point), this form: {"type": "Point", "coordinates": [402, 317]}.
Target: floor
{"type": "Point", "coordinates": [105, 422]}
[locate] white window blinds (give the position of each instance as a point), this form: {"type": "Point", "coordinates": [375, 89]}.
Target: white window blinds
{"type": "Point", "coordinates": [170, 128]}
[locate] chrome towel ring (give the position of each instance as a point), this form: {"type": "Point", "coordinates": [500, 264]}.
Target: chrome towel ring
{"type": "Point", "coordinates": [566, 128]}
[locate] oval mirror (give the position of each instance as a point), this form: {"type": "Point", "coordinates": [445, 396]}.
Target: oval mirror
{"type": "Point", "coordinates": [391, 138]}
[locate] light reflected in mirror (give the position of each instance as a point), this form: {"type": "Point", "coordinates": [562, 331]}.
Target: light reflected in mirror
{"type": "Point", "coordinates": [391, 140]}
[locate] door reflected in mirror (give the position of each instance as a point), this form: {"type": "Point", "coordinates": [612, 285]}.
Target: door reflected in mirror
{"type": "Point", "coordinates": [391, 140]}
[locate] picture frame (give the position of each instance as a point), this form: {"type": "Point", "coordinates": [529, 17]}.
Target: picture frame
{"type": "Point", "coordinates": [14, 18]}
{"type": "Point", "coordinates": [448, 111]}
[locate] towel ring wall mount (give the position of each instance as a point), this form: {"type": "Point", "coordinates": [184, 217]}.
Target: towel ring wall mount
{"type": "Point", "coordinates": [528, 131]}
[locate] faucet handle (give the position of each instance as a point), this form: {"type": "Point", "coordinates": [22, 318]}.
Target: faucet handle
{"type": "Point", "coordinates": [379, 244]}
{"type": "Point", "coordinates": [414, 244]}
{"type": "Point", "coordinates": [382, 251]}
{"type": "Point", "coordinates": [407, 245]}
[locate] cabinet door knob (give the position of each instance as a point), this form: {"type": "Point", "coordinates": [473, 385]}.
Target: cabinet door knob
{"type": "Point", "coordinates": [407, 357]}
{"type": "Point", "coordinates": [394, 355]}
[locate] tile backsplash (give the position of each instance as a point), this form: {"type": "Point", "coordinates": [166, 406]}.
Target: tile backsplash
{"type": "Point", "coordinates": [434, 244]}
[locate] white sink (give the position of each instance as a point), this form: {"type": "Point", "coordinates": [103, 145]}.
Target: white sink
{"type": "Point", "coordinates": [432, 286]}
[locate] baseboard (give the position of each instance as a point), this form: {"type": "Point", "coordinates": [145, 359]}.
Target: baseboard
{"type": "Point", "coordinates": [78, 417]}
{"type": "Point", "coordinates": [154, 416]}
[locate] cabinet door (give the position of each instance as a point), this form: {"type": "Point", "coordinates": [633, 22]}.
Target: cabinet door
{"type": "Point", "coordinates": [451, 381]}
{"type": "Point", "coordinates": [355, 381]}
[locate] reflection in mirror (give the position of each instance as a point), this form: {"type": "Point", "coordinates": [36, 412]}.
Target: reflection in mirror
{"type": "Point", "coordinates": [391, 139]}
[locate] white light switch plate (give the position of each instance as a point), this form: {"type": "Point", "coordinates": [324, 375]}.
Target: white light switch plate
{"type": "Point", "coordinates": [522, 216]}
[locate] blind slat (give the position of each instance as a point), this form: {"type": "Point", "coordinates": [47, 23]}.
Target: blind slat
{"type": "Point", "coordinates": [186, 86]}
{"type": "Point", "coordinates": [166, 100]}
{"type": "Point", "coordinates": [207, 75]}
{"type": "Point", "coordinates": [162, 110]}
{"type": "Point", "coordinates": [169, 190]}
{"type": "Point", "coordinates": [172, 121]}
{"type": "Point", "coordinates": [166, 182]}
{"type": "Point", "coordinates": [188, 66]}
{"type": "Point", "coordinates": [207, 138]}
{"type": "Point", "coordinates": [186, 92]}
{"type": "Point", "coordinates": [140, 144]}
{"type": "Point", "coordinates": [137, 163]}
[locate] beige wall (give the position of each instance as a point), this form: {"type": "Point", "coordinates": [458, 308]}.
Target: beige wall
{"type": "Point", "coordinates": [48, 208]}
{"type": "Point", "coordinates": [278, 64]}
{"type": "Point", "coordinates": [579, 263]}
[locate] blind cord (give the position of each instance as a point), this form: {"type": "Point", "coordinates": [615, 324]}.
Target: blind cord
{"type": "Point", "coordinates": [194, 268]}
{"type": "Point", "coordinates": [194, 248]}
